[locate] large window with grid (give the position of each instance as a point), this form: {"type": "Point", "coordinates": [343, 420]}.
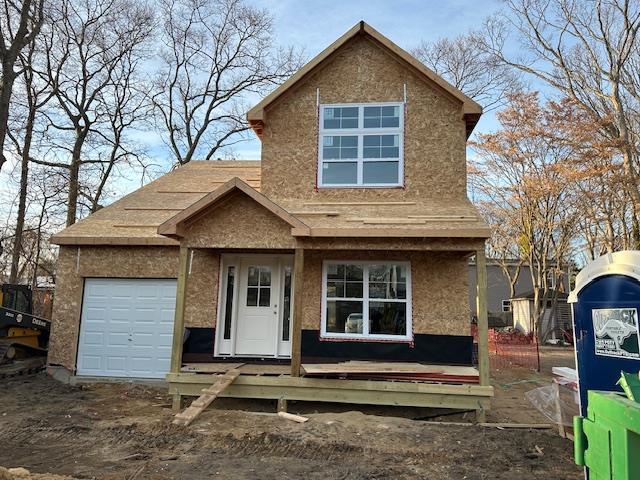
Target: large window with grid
{"type": "Point", "coordinates": [361, 145]}
{"type": "Point", "coordinates": [370, 300]}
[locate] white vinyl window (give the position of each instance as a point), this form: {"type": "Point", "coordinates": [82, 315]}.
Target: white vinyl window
{"type": "Point", "coordinates": [366, 300]}
{"type": "Point", "coordinates": [360, 145]}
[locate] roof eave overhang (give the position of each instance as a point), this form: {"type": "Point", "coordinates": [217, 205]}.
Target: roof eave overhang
{"type": "Point", "coordinates": [480, 233]}
{"type": "Point", "coordinates": [68, 240]}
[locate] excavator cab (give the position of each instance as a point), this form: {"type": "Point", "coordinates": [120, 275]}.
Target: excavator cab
{"type": "Point", "coordinates": [17, 297]}
{"type": "Point", "coordinates": [22, 334]}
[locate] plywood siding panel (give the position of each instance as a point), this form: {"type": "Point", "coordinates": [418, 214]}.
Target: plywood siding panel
{"type": "Point", "coordinates": [239, 222]}
{"type": "Point", "coordinates": [124, 262]}
{"type": "Point", "coordinates": [361, 72]}
{"type": "Point", "coordinates": [439, 288]}
{"type": "Point", "coordinates": [202, 290]}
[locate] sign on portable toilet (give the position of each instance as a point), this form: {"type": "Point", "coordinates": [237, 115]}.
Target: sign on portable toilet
{"type": "Point", "coordinates": [605, 304]}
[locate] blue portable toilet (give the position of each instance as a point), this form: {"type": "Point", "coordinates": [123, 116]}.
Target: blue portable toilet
{"type": "Point", "coordinates": [605, 304]}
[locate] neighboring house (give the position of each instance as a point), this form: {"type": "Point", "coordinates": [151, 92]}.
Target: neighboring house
{"type": "Point", "coordinates": [498, 292]}
{"type": "Point", "coordinates": [554, 320]}
{"type": "Point", "coordinates": [349, 240]}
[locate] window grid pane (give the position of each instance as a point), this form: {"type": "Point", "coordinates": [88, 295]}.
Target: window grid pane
{"type": "Point", "coordinates": [359, 150]}
{"type": "Point", "coordinates": [341, 117]}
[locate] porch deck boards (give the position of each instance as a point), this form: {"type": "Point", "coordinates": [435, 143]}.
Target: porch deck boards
{"type": "Point", "coordinates": [245, 368]}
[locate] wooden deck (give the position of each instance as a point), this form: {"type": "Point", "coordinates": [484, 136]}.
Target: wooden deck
{"type": "Point", "coordinates": [275, 382]}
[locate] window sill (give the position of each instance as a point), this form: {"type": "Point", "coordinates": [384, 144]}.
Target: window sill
{"type": "Point", "coordinates": [362, 187]}
{"type": "Point", "coordinates": [324, 337]}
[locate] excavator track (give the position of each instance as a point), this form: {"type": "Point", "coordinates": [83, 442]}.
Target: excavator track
{"type": "Point", "coordinates": [12, 368]}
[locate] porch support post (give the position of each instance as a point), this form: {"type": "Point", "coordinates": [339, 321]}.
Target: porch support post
{"type": "Point", "coordinates": [296, 334]}
{"type": "Point", "coordinates": [483, 325]}
{"type": "Point", "coordinates": [178, 322]}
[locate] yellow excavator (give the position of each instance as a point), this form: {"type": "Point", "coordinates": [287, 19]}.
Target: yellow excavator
{"type": "Point", "coordinates": [24, 337]}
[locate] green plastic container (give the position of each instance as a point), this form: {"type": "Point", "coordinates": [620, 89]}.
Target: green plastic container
{"type": "Point", "coordinates": [607, 441]}
{"type": "Point", "coordinates": [630, 384]}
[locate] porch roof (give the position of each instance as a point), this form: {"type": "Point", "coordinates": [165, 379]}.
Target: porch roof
{"type": "Point", "coordinates": [382, 219]}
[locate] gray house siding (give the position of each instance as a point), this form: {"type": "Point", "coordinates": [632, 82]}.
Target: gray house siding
{"type": "Point", "coordinates": [498, 286]}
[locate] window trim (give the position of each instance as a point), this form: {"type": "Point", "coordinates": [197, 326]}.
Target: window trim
{"type": "Point", "coordinates": [365, 303]}
{"type": "Point", "coordinates": [508, 304]}
{"type": "Point", "coordinates": [360, 132]}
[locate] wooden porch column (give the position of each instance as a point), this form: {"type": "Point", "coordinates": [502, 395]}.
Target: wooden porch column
{"type": "Point", "coordinates": [483, 324]}
{"type": "Point", "coordinates": [178, 322]}
{"type": "Point", "coordinates": [296, 334]}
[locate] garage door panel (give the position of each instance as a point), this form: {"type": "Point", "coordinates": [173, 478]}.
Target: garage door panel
{"type": "Point", "coordinates": [127, 327]}
{"type": "Point", "coordinates": [116, 339]}
{"type": "Point", "coordinates": [94, 339]}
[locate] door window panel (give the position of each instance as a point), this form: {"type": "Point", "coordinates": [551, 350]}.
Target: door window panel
{"type": "Point", "coordinates": [258, 286]}
{"type": "Point", "coordinates": [228, 306]}
{"type": "Point", "coordinates": [286, 304]}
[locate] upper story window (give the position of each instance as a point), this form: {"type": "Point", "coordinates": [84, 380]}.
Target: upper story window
{"type": "Point", "coordinates": [361, 145]}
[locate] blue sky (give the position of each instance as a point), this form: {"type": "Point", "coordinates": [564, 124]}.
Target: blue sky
{"type": "Point", "coordinates": [313, 25]}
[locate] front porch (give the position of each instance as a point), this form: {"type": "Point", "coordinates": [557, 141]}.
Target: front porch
{"type": "Point", "coordinates": [280, 378]}
{"type": "Point", "coordinates": [275, 382]}
{"type": "Point", "coordinates": [294, 296]}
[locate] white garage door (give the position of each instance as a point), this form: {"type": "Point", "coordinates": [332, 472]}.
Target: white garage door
{"type": "Point", "coordinates": [126, 328]}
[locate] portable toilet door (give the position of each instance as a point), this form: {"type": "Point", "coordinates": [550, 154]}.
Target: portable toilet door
{"type": "Point", "coordinates": [605, 304]}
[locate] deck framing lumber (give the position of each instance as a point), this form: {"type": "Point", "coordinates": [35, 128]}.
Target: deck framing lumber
{"type": "Point", "coordinates": [483, 324]}
{"type": "Point", "coordinates": [341, 391]}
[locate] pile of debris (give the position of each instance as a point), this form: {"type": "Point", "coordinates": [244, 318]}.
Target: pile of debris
{"type": "Point", "coordinates": [24, 474]}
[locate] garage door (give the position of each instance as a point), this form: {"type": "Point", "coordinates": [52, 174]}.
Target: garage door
{"type": "Point", "coordinates": [126, 328]}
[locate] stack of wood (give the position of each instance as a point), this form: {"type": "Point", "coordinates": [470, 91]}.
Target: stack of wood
{"type": "Point", "coordinates": [392, 371]}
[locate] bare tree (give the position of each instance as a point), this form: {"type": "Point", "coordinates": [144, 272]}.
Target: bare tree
{"type": "Point", "coordinates": [92, 46]}
{"type": "Point", "coordinates": [589, 51]}
{"type": "Point", "coordinates": [20, 23]}
{"type": "Point", "coordinates": [466, 65]}
{"type": "Point", "coordinates": [216, 54]}
{"type": "Point", "coordinates": [33, 96]}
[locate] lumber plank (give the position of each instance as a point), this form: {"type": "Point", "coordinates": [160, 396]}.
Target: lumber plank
{"type": "Point", "coordinates": [296, 333]}
{"type": "Point", "coordinates": [204, 400]}
{"type": "Point", "coordinates": [292, 417]}
{"type": "Point", "coordinates": [281, 383]}
{"type": "Point", "coordinates": [387, 367]}
{"type": "Point", "coordinates": [178, 323]}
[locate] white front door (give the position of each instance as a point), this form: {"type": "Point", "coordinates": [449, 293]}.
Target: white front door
{"type": "Point", "coordinates": [258, 313]}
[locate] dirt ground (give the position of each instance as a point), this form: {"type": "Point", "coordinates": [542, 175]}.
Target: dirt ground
{"type": "Point", "coordinates": [124, 431]}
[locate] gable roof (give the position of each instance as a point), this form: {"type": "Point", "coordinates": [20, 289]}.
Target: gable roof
{"type": "Point", "coordinates": [471, 109]}
{"type": "Point", "coordinates": [135, 218]}
{"type": "Point", "coordinates": [172, 227]}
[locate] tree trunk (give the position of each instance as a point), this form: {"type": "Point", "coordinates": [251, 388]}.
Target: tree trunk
{"type": "Point", "coordinates": [74, 178]}
{"type": "Point", "coordinates": [8, 78]}
{"type": "Point", "coordinates": [22, 201]}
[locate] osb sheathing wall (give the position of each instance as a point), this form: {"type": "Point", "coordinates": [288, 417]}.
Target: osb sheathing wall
{"type": "Point", "coordinates": [439, 285]}
{"type": "Point", "coordinates": [238, 222]}
{"type": "Point", "coordinates": [124, 262]}
{"type": "Point", "coordinates": [361, 72]}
